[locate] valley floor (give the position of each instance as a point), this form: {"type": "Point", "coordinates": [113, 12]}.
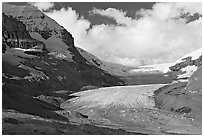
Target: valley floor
{"type": "Point", "coordinates": [113, 110]}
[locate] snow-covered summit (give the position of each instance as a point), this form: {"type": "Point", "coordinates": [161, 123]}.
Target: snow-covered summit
{"type": "Point", "coordinates": [43, 28]}
{"type": "Point", "coordinates": [32, 16]}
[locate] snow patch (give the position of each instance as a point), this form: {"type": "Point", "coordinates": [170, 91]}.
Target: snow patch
{"type": "Point", "coordinates": [45, 62]}
{"type": "Point", "coordinates": [193, 91]}
{"type": "Point", "coordinates": [58, 55]}
{"type": "Point", "coordinates": [60, 78]}
{"type": "Point", "coordinates": [188, 71]}
{"type": "Point", "coordinates": [32, 49]}
{"type": "Point", "coordinates": [10, 76]}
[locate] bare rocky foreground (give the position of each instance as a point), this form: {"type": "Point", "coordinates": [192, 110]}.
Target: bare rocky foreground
{"type": "Point", "coordinates": [14, 122]}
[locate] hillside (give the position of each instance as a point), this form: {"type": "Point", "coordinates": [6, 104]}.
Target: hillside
{"type": "Point", "coordinates": [111, 68]}
{"type": "Point", "coordinates": [39, 57]}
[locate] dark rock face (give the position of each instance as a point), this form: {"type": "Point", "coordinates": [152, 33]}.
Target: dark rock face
{"type": "Point", "coordinates": [186, 62]}
{"type": "Point", "coordinates": [56, 101]}
{"type": "Point", "coordinates": [183, 110]}
{"type": "Point", "coordinates": [15, 35]}
{"type": "Point", "coordinates": [13, 28]}
{"type": "Point", "coordinates": [67, 38]}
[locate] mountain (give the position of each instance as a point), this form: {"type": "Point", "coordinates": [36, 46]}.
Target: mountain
{"type": "Point", "coordinates": [188, 64]}
{"type": "Point", "coordinates": [111, 68]}
{"type": "Point", "coordinates": [39, 58]}
{"type": "Point", "coordinates": [151, 74]}
{"type": "Point", "coordinates": [183, 67]}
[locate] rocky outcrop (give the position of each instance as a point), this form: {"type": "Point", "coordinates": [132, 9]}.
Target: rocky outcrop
{"type": "Point", "coordinates": [186, 62]}
{"type": "Point", "coordinates": [56, 101]}
{"type": "Point", "coordinates": [15, 35]}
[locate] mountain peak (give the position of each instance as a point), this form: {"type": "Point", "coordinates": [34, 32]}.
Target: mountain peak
{"type": "Point", "coordinates": [43, 28]}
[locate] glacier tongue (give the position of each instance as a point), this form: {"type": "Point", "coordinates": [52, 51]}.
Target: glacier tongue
{"type": "Point", "coordinates": [126, 96]}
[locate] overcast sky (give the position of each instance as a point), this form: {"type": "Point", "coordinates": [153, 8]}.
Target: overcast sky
{"type": "Point", "coordinates": [131, 33]}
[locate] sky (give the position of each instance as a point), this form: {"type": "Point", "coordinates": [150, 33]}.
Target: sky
{"type": "Point", "coordinates": [131, 33]}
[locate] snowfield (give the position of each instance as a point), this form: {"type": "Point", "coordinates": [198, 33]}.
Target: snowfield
{"type": "Point", "coordinates": [188, 71]}
{"type": "Point", "coordinates": [155, 68]}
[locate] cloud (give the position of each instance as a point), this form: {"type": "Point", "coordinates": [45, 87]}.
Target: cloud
{"type": "Point", "coordinates": [119, 15]}
{"type": "Point", "coordinates": [43, 5]}
{"type": "Point", "coordinates": [159, 35]}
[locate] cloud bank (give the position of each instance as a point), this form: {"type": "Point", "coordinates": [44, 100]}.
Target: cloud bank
{"type": "Point", "coordinates": [158, 35]}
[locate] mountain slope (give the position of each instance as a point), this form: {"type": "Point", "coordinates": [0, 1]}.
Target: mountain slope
{"type": "Point", "coordinates": [40, 58]}
{"type": "Point", "coordinates": [45, 29]}
{"type": "Point", "coordinates": [111, 68]}
{"type": "Point", "coordinates": [188, 64]}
